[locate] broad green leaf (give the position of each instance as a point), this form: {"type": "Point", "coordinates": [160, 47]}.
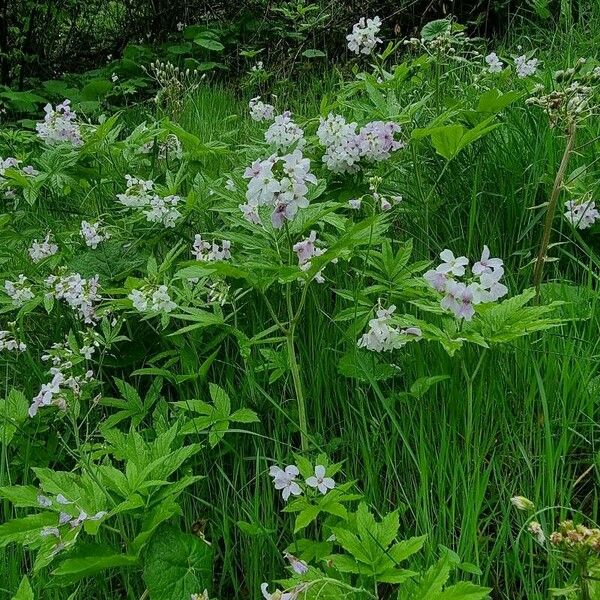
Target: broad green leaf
{"type": "Point", "coordinates": [24, 592]}
{"type": "Point", "coordinates": [90, 559]}
{"type": "Point", "coordinates": [464, 590]}
{"type": "Point", "coordinates": [177, 565]}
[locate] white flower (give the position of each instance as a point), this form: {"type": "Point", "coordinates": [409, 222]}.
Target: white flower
{"type": "Point", "coordinates": [283, 132]}
{"type": "Point", "coordinates": [139, 300]}
{"type": "Point", "coordinates": [363, 38]}
{"type": "Point", "coordinates": [524, 67]}
{"type": "Point", "coordinates": [495, 65]}
{"type": "Point", "coordinates": [207, 252]}
{"type": "Point", "coordinates": [383, 336]}
{"type": "Point", "coordinates": [114, 78]}
{"type": "Point", "coordinates": [180, 26]}
{"type": "Point", "coordinates": [59, 125]}
{"type": "Point", "coordinates": [284, 190]}
{"type": "Point", "coordinates": [486, 264]}
{"type": "Point", "coordinates": [42, 250]}
{"type": "Point", "coordinates": [7, 342]}
{"type": "Point", "coordinates": [319, 481]}
{"type": "Point", "coordinates": [581, 213]}
{"type": "Point", "coordinates": [155, 300]}
{"type": "Point", "coordinates": [261, 111]}
{"type": "Point", "coordinates": [285, 480]}
{"type": "Point", "coordinates": [459, 299]}
{"type": "Point", "coordinates": [44, 501]}
{"type": "Point", "coordinates": [79, 293]}
{"type": "Point", "coordinates": [138, 194]}
{"type": "Point", "coordinates": [299, 566]}
{"type": "Point", "coordinates": [355, 203]}
{"type": "Point", "coordinates": [163, 210]}
{"type": "Point", "coordinates": [19, 291]}
{"type": "Point", "coordinates": [305, 250]}
{"type": "Point", "coordinates": [455, 266]}
{"type": "Point", "coordinates": [93, 234]}
{"type": "Point", "coordinates": [345, 146]}
{"type": "Point", "coordinates": [279, 595]}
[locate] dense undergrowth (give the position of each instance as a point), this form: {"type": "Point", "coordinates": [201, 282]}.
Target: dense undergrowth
{"type": "Point", "coordinates": [218, 292]}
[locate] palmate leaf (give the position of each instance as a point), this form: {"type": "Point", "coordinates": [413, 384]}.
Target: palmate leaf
{"type": "Point", "coordinates": [177, 565]}
{"type": "Point", "coordinates": [511, 319]}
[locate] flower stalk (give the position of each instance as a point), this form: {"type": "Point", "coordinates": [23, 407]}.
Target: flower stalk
{"type": "Point", "coordinates": [556, 189]}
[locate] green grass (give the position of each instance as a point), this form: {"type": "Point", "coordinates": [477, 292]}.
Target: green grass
{"type": "Point", "coordinates": [521, 420]}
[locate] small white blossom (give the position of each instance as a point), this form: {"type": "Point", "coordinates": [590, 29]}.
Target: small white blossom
{"type": "Point", "coordinates": [93, 234]}
{"type": "Point", "coordinates": [285, 480]}
{"type": "Point", "coordinates": [42, 250]}
{"type": "Point", "coordinates": [283, 132]}
{"type": "Point", "coordinates": [10, 344]}
{"type": "Point", "coordinates": [19, 291]}
{"type": "Point", "coordinates": [299, 566]}
{"type": "Point", "coordinates": [207, 252]}
{"type": "Point", "coordinates": [79, 293]}
{"type": "Point", "coordinates": [261, 111]}
{"type": "Point", "coordinates": [59, 125]}
{"type": "Point", "coordinates": [363, 38]}
{"type": "Point", "coordinates": [153, 300]}
{"type": "Point", "coordinates": [495, 65]}
{"type": "Point", "coordinates": [524, 67]}
{"type": "Point", "coordinates": [319, 481]}
{"type": "Point", "coordinates": [383, 336]}
{"type": "Point", "coordinates": [581, 213]}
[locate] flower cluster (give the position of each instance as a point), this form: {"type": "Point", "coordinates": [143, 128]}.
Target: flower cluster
{"type": "Point", "coordinates": [261, 111]}
{"type": "Point", "coordinates": [384, 336]}
{"type": "Point", "coordinates": [163, 210]}
{"type": "Point", "coordinates": [345, 146]}
{"type": "Point", "coordinates": [93, 234]}
{"type": "Point", "coordinates": [278, 182]}
{"type": "Point", "coordinates": [59, 125]}
{"type": "Point", "coordinates": [79, 293]}
{"type": "Point", "coordinates": [140, 194]}
{"type": "Point", "coordinates": [495, 65]}
{"type": "Point", "coordinates": [460, 298]}
{"type": "Point", "coordinates": [576, 538]}
{"type": "Point", "coordinates": [42, 250]}
{"type": "Point", "coordinates": [363, 38]}
{"type": "Point", "coordinates": [9, 343]}
{"type": "Point", "coordinates": [581, 213]}
{"type": "Point", "coordinates": [283, 132]}
{"type": "Point", "coordinates": [19, 291]}
{"type": "Point", "coordinates": [525, 67]}
{"type": "Point", "coordinates": [69, 514]}
{"type": "Point", "coordinates": [68, 377]}
{"type": "Point", "coordinates": [571, 94]}
{"type": "Point", "coordinates": [8, 163]}
{"type": "Point", "coordinates": [152, 300]}
{"type": "Point", "coordinates": [206, 252]}
{"type": "Point", "coordinates": [306, 249]}
{"type": "Point", "coordinates": [286, 480]}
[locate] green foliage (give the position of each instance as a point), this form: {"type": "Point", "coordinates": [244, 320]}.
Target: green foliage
{"type": "Point", "coordinates": [177, 565]}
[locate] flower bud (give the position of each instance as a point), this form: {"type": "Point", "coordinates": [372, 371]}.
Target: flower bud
{"type": "Point", "coordinates": [522, 503]}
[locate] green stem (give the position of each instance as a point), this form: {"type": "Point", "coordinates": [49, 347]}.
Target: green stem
{"type": "Point", "coordinates": [295, 369]}
{"type": "Point", "coordinates": [556, 188]}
